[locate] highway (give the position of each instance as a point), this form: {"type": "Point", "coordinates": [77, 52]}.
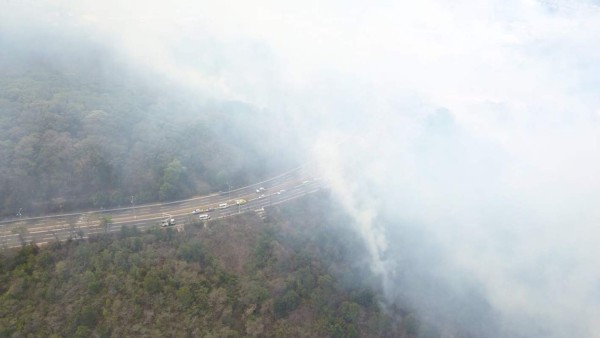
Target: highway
{"type": "Point", "coordinates": [45, 229]}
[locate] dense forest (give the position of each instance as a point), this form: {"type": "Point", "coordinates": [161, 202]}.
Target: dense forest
{"type": "Point", "coordinates": [77, 131]}
{"type": "Point", "coordinates": [298, 273]}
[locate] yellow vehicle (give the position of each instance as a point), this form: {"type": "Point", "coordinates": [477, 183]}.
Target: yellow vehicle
{"type": "Point", "coordinates": [240, 201]}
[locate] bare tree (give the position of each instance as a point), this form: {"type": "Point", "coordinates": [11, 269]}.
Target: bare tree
{"type": "Point", "coordinates": [72, 222]}
{"type": "Point", "coordinates": [21, 231]}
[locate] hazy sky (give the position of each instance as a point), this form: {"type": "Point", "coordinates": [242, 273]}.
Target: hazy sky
{"type": "Point", "coordinates": [471, 129]}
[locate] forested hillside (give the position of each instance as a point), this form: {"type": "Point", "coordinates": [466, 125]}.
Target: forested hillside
{"type": "Point", "coordinates": [297, 275]}
{"type": "Point", "coordinates": [77, 131]}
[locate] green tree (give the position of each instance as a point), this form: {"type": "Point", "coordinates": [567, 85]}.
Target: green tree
{"type": "Point", "coordinates": [152, 283]}
{"type": "Point", "coordinates": [105, 222]}
{"type": "Point", "coordinates": [192, 252]}
{"type": "Point", "coordinates": [349, 311]}
{"type": "Point", "coordinates": [252, 292]}
{"type": "Point", "coordinates": [286, 303]}
{"type": "Point", "coordinates": [173, 181]}
{"type": "Point", "coordinates": [82, 331]}
{"type": "Point", "coordinates": [87, 316]}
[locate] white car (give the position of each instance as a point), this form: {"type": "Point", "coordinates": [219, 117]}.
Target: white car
{"type": "Point", "coordinates": [204, 217]}
{"type": "Point", "coordinates": [223, 205]}
{"type": "Point", "coordinates": [262, 196]}
{"type": "Point", "coordinates": [280, 191]}
{"type": "Point", "coordinates": [259, 190]}
{"type": "Point", "coordinates": [197, 211]}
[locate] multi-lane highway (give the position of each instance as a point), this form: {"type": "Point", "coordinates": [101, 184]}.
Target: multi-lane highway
{"type": "Point", "coordinates": [287, 186]}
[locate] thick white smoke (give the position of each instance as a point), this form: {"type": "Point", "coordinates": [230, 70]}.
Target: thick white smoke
{"type": "Point", "coordinates": [470, 133]}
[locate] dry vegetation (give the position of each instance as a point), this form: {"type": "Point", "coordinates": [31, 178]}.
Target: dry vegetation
{"type": "Point", "coordinates": [293, 276]}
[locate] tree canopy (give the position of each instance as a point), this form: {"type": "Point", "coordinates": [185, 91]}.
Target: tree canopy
{"type": "Point", "coordinates": [239, 277]}
{"type": "Point", "coordinates": [87, 134]}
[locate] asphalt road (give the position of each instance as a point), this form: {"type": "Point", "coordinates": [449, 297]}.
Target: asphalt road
{"type": "Point", "coordinates": [41, 230]}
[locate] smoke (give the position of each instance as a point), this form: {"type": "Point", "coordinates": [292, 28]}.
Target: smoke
{"type": "Point", "coordinates": [463, 137]}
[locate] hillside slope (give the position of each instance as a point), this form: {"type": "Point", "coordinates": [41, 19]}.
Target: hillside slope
{"type": "Point", "coordinates": [79, 130]}
{"type": "Point", "coordinates": [297, 275]}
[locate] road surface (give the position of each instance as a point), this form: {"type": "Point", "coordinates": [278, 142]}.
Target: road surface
{"type": "Point", "coordinates": [41, 230]}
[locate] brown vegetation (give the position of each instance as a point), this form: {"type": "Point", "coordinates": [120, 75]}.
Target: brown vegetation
{"type": "Point", "coordinates": [236, 277]}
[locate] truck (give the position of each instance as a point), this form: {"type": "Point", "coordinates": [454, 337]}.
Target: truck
{"type": "Point", "coordinates": [168, 222]}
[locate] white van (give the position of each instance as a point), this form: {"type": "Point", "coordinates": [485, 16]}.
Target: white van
{"type": "Point", "coordinates": [204, 217]}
